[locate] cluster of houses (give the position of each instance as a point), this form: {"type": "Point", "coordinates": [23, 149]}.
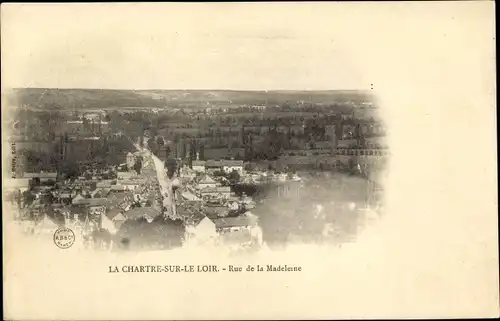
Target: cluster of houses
{"type": "Point", "coordinates": [93, 201]}
{"type": "Point", "coordinates": [212, 213]}
{"type": "Point", "coordinates": [234, 232]}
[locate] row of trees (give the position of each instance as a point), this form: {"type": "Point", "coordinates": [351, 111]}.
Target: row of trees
{"type": "Point", "coordinates": [156, 143]}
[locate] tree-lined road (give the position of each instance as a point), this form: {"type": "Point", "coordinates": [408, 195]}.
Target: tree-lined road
{"type": "Point", "coordinates": [163, 180]}
{"type": "Point", "coordinates": [165, 184]}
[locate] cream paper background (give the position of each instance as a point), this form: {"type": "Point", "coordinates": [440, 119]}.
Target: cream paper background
{"type": "Point", "coordinates": [435, 254]}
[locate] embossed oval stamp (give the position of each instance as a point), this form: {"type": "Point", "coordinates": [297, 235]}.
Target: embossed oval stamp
{"type": "Point", "coordinates": [64, 237]}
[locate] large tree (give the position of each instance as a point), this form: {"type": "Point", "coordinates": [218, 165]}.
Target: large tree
{"type": "Point", "coordinates": [159, 141]}
{"type": "Point", "coordinates": [28, 197]}
{"type": "Point", "coordinates": [138, 164]}
{"type": "Point", "coordinates": [171, 166]}
{"type": "Point", "coordinates": [234, 177]}
{"type": "Point", "coordinates": [69, 168]}
{"type": "Point", "coordinates": [153, 145]}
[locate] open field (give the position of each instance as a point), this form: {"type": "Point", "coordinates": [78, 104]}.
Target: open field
{"type": "Point", "coordinates": [51, 98]}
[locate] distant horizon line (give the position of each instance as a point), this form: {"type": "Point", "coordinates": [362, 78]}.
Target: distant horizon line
{"type": "Point", "coordinates": [158, 89]}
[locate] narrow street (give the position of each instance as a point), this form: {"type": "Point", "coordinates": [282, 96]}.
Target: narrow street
{"type": "Point", "coordinates": [165, 187]}
{"type": "Point", "coordinates": [163, 180]}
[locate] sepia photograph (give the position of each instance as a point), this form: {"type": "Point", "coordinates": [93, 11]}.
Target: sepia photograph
{"type": "Point", "coordinates": [246, 169]}
{"type": "Point", "coordinates": [208, 157]}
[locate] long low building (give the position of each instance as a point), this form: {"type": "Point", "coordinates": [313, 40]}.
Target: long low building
{"type": "Point", "coordinates": [211, 166]}
{"type": "Point", "coordinates": [44, 177]}
{"type": "Point", "coordinates": [199, 166]}
{"type": "Point", "coordinates": [220, 192]}
{"type": "Point", "coordinates": [126, 175]}
{"type": "Point", "coordinates": [226, 166]}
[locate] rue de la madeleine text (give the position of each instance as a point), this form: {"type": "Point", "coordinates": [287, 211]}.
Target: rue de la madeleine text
{"type": "Point", "coordinates": [202, 268]}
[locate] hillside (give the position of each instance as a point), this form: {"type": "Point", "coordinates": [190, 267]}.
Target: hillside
{"type": "Point", "coordinates": [103, 98]}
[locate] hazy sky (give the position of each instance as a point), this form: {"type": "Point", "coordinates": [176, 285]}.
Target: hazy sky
{"type": "Point", "coordinates": [204, 46]}
{"type": "Point", "coordinates": [234, 46]}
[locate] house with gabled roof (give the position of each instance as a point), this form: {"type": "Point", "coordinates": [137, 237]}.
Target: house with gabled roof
{"type": "Point", "coordinates": [207, 181]}
{"type": "Point", "coordinates": [119, 219]}
{"type": "Point", "coordinates": [200, 230]}
{"type": "Point", "coordinates": [108, 224]}
{"type": "Point", "coordinates": [77, 199]}
{"type": "Point", "coordinates": [115, 215]}
{"type": "Point", "coordinates": [240, 230]}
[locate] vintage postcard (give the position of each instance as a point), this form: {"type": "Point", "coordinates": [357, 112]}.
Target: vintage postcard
{"type": "Point", "coordinates": [249, 161]}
